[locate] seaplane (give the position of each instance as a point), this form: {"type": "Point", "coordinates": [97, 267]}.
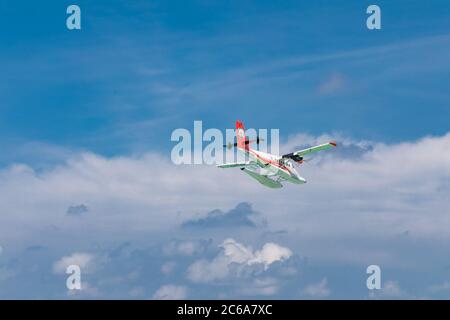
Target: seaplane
{"type": "Point", "coordinates": [269, 169]}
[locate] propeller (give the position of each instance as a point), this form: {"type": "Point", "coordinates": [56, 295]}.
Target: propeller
{"type": "Point", "coordinates": [230, 145]}
{"type": "Point", "coordinates": [299, 162]}
{"type": "Point", "coordinates": [258, 140]}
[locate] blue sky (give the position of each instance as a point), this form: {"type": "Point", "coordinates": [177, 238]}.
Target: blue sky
{"type": "Point", "coordinates": [77, 104]}
{"type": "Point", "coordinates": [147, 67]}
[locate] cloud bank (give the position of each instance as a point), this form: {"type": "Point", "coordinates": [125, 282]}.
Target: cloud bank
{"type": "Point", "coordinates": [371, 203]}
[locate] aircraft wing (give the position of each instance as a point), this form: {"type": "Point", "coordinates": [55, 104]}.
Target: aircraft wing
{"type": "Point", "coordinates": [301, 153]}
{"type": "Point", "coordinates": [241, 165]}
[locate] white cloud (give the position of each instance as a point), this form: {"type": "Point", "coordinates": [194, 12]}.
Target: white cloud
{"type": "Point", "coordinates": [235, 254]}
{"type": "Point", "coordinates": [170, 292]}
{"type": "Point", "coordinates": [270, 253]}
{"type": "Point", "coordinates": [381, 193]}
{"type": "Point", "coordinates": [203, 271]}
{"type": "Point", "coordinates": [84, 260]}
{"type": "Point", "coordinates": [317, 290]}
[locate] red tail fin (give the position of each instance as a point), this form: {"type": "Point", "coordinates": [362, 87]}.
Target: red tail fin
{"type": "Point", "coordinates": [240, 135]}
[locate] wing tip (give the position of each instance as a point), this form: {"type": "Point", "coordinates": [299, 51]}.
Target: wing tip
{"type": "Point", "coordinates": [333, 143]}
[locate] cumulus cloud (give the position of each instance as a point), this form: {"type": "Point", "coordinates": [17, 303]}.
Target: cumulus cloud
{"type": "Point", "coordinates": [269, 253]}
{"type": "Point", "coordinates": [232, 257]}
{"type": "Point", "coordinates": [84, 260]}
{"type": "Point", "coordinates": [117, 189]}
{"type": "Point", "coordinates": [241, 216]}
{"type": "Point", "coordinates": [398, 179]}
{"type": "Point", "coordinates": [375, 196]}
{"type": "Point", "coordinates": [170, 292]}
{"type": "Point", "coordinates": [204, 271]}
{"type": "Point", "coordinates": [352, 210]}
{"type": "Point", "coordinates": [317, 290]}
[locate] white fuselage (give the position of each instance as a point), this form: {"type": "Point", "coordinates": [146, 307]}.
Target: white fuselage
{"type": "Point", "coordinates": [273, 165]}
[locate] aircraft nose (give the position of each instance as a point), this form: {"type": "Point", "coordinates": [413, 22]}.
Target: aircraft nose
{"type": "Point", "coordinates": [303, 180]}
